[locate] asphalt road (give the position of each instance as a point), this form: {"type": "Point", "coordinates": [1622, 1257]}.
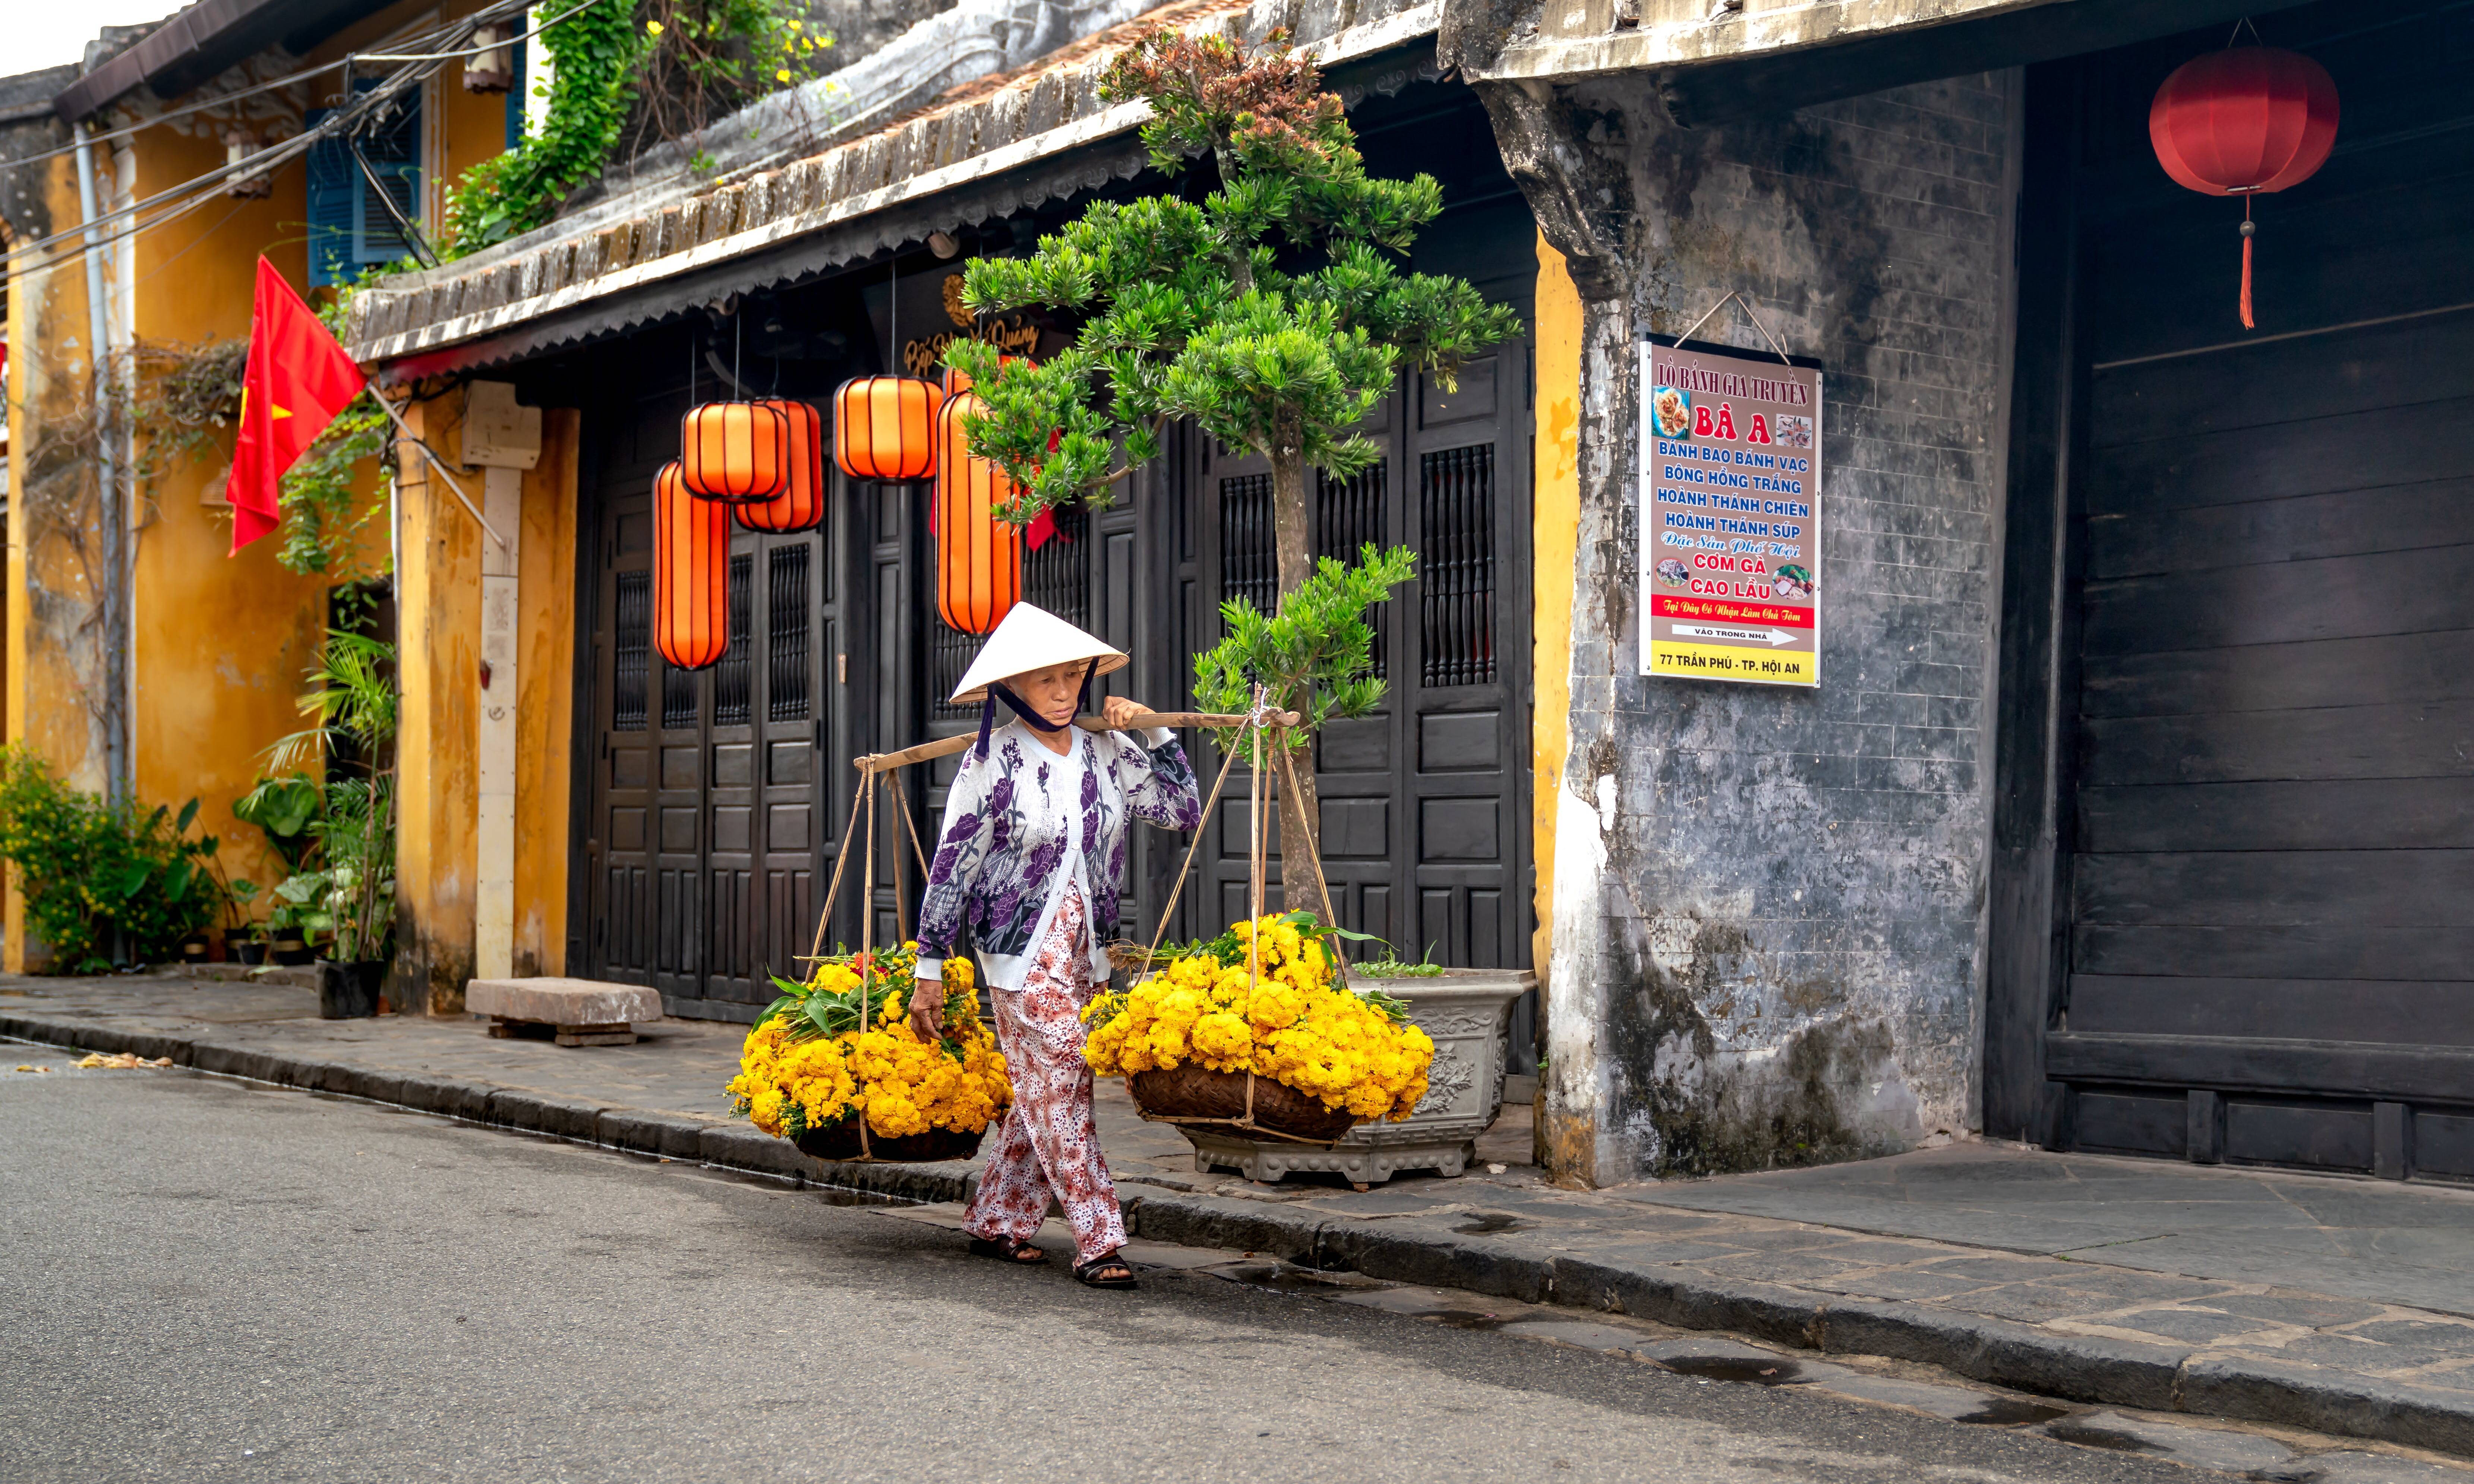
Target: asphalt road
{"type": "Point", "coordinates": [204, 1280]}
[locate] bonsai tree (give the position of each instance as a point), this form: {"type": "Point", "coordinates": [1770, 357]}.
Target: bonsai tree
{"type": "Point", "coordinates": [1274, 312]}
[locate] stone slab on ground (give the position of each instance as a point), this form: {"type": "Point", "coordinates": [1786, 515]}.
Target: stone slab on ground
{"type": "Point", "coordinates": [582, 1012]}
{"type": "Point", "coordinates": [556, 1001]}
{"type": "Point", "coordinates": [2345, 1236]}
{"type": "Point", "coordinates": [1994, 1288]}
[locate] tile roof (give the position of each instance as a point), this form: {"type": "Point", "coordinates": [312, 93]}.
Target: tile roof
{"type": "Point", "coordinates": [981, 150]}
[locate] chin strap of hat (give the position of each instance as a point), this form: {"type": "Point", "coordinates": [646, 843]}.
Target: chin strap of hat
{"type": "Point", "coordinates": [996, 690]}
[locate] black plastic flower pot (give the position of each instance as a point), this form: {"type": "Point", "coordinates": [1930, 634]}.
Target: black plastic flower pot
{"type": "Point", "coordinates": [193, 948]}
{"type": "Point", "coordinates": [243, 945]}
{"type": "Point", "coordinates": [290, 948]}
{"type": "Point", "coordinates": [348, 991]}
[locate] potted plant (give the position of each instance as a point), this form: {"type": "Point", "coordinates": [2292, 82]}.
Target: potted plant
{"type": "Point", "coordinates": [244, 936]}
{"type": "Point", "coordinates": [300, 919]}
{"type": "Point", "coordinates": [347, 907]}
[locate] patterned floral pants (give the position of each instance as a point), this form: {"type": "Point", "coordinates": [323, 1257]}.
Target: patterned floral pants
{"type": "Point", "coordinates": [1049, 1144]}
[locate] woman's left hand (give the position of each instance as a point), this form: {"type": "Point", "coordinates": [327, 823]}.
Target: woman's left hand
{"type": "Point", "coordinates": [1121, 714]}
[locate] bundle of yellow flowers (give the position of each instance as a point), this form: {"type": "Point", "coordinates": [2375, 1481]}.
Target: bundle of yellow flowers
{"type": "Point", "coordinates": [1288, 1019]}
{"type": "Point", "coordinates": [841, 1045]}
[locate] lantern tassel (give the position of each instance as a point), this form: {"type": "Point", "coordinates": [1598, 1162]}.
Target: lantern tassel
{"type": "Point", "coordinates": [2248, 231]}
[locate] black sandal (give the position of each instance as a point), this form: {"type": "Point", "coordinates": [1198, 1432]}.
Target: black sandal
{"type": "Point", "coordinates": [1010, 1249]}
{"type": "Point", "coordinates": [1087, 1274]}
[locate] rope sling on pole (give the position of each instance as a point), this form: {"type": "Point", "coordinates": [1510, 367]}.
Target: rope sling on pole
{"type": "Point", "coordinates": [885, 768]}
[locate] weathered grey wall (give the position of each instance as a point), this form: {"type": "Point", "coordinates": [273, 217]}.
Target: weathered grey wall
{"type": "Point", "coordinates": [1769, 903]}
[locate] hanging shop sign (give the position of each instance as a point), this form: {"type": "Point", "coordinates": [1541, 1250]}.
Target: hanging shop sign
{"type": "Point", "coordinates": [1729, 514]}
{"type": "Point", "coordinates": [922, 313]}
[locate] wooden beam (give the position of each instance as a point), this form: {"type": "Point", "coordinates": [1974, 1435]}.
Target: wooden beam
{"type": "Point", "coordinates": [947, 747]}
{"type": "Point", "coordinates": [2352, 1069]}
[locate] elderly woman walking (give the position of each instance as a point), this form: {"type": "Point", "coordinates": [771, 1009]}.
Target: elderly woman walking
{"type": "Point", "coordinates": [1031, 860]}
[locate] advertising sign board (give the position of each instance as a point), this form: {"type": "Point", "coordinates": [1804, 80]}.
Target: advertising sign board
{"type": "Point", "coordinates": [1729, 514]}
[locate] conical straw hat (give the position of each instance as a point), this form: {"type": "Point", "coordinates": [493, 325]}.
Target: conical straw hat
{"type": "Point", "coordinates": [1030, 638]}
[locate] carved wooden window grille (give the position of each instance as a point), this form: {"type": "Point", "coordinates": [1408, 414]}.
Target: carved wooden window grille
{"type": "Point", "coordinates": [679, 699]}
{"type": "Point", "coordinates": [786, 635]}
{"type": "Point", "coordinates": [731, 676]}
{"type": "Point", "coordinates": [1056, 577]}
{"type": "Point", "coordinates": [632, 650]}
{"type": "Point", "coordinates": [1456, 564]}
{"type": "Point", "coordinates": [1349, 515]}
{"type": "Point", "coordinates": [1250, 562]}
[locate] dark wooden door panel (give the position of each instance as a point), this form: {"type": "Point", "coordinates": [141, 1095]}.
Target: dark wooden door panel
{"type": "Point", "coordinates": [2335, 814]}
{"type": "Point", "coordinates": [2302, 950]}
{"type": "Point", "coordinates": [2270, 812]}
{"type": "Point", "coordinates": [2343, 523]}
{"type": "Point", "coordinates": [2404, 739]}
{"type": "Point", "coordinates": [2440, 1012]}
{"type": "Point", "coordinates": [1424, 803]}
{"type": "Point", "coordinates": [2276, 888]}
{"type": "Point", "coordinates": [2308, 455]}
{"type": "Point", "coordinates": [2336, 598]}
{"type": "Point", "coordinates": [2268, 677]}
{"type": "Point", "coordinates": [706, 809]}
{"type": "Point", "coordinates": [2380, 365]}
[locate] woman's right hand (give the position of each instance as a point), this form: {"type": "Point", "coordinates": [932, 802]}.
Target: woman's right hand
{"type": "Point", "coordinates": [927, 1009]}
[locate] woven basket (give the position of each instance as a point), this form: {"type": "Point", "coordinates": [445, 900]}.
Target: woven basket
{"type": "Point", "coordinates": [840, 1143]}
{"type": "Point", "coordinates": [1196, 1092]}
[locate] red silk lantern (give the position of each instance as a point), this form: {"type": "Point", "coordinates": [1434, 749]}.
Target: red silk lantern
{"type": "Point", "coordinates": [2245, 122]}
{"type": "Point", "coordinates": [801, 504]}
{"type": "Point", "coordinates": [734, 452]}
{"type": "Point", "coordinates": [979, 558]}
{"type": "Point", "coordinates": [690, 573]}
{"type": "Point", "coordinates": [885, 427]}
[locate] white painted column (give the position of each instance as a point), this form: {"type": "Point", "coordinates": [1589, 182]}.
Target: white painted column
{"type": "Point", "coordinates": [495, 898]}
{"type": "Point", "coordinates": [504, 440]}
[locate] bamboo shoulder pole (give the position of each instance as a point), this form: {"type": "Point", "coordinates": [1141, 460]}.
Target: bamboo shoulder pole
{"type": "Point", "coordinates": [947, 747]}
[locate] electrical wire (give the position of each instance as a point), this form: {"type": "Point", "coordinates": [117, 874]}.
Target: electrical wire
{"type": "Point", "coordinates": [342, 120]}
{"type": "Point", "coordinates": [303, 76]}
{"type": "Point", "coordinates": [339, 121]}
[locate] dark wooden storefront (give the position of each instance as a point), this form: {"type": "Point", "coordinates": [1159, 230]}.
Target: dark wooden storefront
{"type": "Point", "coordinates": [717, 801]}
{"type": "Point", "coordinates": [2235, 830]}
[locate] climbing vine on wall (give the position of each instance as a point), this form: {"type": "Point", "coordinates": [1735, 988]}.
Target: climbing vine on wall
{"type": "Point", "coordinates": [667, 66]}
{"type": "Point", "coordinates": [593, 56]}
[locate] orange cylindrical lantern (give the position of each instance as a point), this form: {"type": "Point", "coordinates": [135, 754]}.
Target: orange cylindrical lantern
{"type": "Point", "coordinates": [734, 452]}
{"type": "Point", "coordinates": [2244, 122]}
{"type": "Point", "coordinates": [690, 573]}
{"type": "Point", "coordinates": [801, 504]}
{"type": "Point", "coordinates": [979, 558]}
{"type": "Point", "coordinates": [885, 427]}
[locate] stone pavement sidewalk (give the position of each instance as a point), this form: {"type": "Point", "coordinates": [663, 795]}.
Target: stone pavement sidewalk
{"type": "Point", "coordinates": [2340, 1305]}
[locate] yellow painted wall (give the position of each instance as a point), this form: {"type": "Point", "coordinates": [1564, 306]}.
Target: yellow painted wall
{"type": "Point", "coordinates": [220, 642]}
{"type": "Point", "coordinates": [438, 618]}
{"type": "Point", "coordinates": [545, 695]}
{"type": "Point", "coordinates": [221, 638]}
{"type": "Point", "coordinates": [1555, 536]}
{"type": "Point", "coordinates": [54, 541]}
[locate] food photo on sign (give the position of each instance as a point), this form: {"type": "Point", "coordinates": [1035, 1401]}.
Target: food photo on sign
{"type": "Point", "coordinates": [1731, 512]}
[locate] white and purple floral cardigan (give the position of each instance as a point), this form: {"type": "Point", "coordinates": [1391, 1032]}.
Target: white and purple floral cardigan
{"type": "Point", "coordinates": [1022, 823]}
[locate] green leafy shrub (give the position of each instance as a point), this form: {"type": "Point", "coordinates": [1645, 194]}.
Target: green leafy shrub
{"type": "Point", "coordinates": [99, 878]}
{"type": "Point", "coordinates": [335, 822]}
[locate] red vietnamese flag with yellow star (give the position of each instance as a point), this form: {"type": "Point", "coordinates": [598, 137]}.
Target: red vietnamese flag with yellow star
{"type": "Point", "coordinates": [297, 380]}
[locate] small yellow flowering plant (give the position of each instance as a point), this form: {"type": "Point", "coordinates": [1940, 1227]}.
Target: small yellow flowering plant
{"type": "Point", "coordinates": [1288, 1019]}
{"type": "Point", "coordinates": [840, 1045]}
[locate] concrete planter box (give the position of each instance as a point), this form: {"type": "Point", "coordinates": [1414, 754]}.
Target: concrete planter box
{"type": "Point", "coordinates": [1467, 1012]}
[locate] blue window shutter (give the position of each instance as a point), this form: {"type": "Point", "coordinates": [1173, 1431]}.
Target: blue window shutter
{"type": "Point", "coordinates": [333, 197]}
{"type": "Point", "coordinates": [392, 145]}
{"type": "Point", "coordinates": [516, 103]}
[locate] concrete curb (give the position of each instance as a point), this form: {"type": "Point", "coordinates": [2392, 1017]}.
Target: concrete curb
{"type": "Point", "coordinates": [2024, 1357]}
